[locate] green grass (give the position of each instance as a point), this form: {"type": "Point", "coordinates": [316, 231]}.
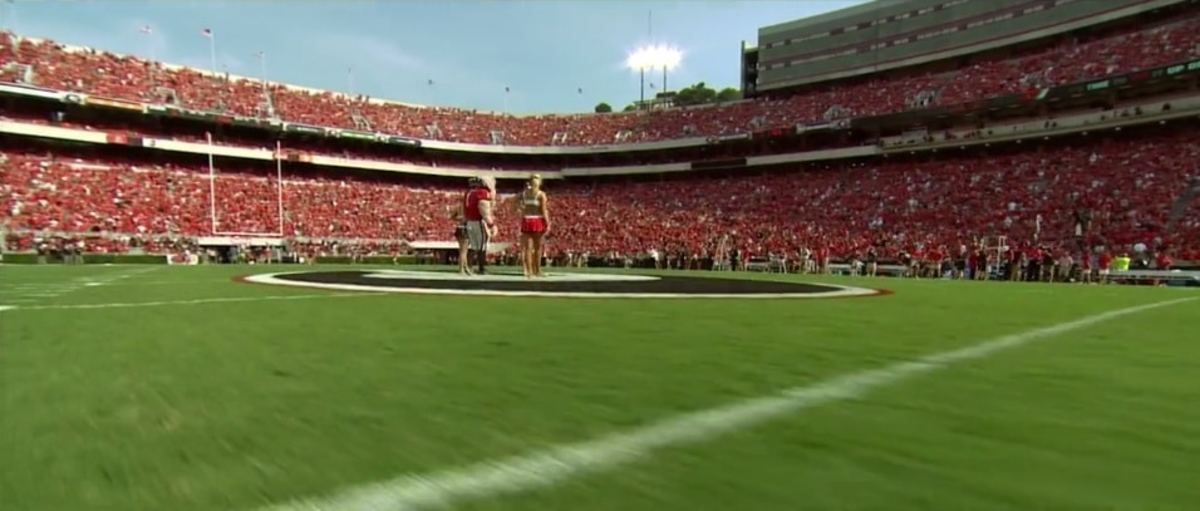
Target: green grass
{"type": "Point", "coordinates": [231, 406]}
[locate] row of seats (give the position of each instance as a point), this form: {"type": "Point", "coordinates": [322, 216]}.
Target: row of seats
{"type": "Point", "coordinates": [45, 192]}
{"type": "Point", "coordinates": [1108, 192]}
{"type": "Point", "coordinates": [331, 147]}
{"type": "Point", "coordinates": [1133, 48]}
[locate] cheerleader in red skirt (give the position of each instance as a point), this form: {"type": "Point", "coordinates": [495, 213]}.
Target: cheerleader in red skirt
{"type": "Point", "coordinates": [535, 224]}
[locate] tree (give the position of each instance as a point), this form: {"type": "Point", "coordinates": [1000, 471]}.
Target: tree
{"type": "Point", "coordinates": [729, 94]}
{"type": "Point", "coordinates": [603, 108]}
{"type": "Point", "coordinates": [697, 94]}
{"type": "Point", "coordinates": [630, 108]}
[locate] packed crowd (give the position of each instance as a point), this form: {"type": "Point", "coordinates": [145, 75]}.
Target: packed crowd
{"type": "Point", "coordinates": [350, 150]}
{"type": "Point", "coordinates": [1115, 193]}
{"type": "Point", "coordinates": [54, 193]}
{"type": "Point", "coordinates": [1111, 192]}
{"type": "Point", "coordinates": [84, 70]}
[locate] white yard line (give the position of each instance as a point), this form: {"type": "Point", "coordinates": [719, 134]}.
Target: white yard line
{"type": "Point", "coordinates": [119, 283]}
{"type": "Point", "coordinates": [33, 289]}
{"type": "Point", "coordinates": [54, 290]}
{"type": "Point", "coordinates": [556, 465]}
{"type": "Point", "coordinates": [215, 280]}
{"type": "Point", "coordinates": [123, 275]}
{"type": "Point", "coordinates": [197, 301]}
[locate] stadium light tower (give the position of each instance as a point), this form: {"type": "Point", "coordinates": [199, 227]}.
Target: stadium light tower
{"type": "Point", "coordinates": [653, 57]}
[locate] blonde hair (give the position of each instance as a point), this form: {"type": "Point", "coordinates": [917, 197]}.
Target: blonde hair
{"type": "Point", "coordinates": [489, 182]}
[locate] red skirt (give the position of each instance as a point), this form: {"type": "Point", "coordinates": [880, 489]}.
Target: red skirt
{"type": "Point", "coordinates": [533, 225]}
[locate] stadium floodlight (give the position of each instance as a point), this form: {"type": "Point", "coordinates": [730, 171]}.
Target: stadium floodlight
{"type": "Point", "coordinates": [652, 57]}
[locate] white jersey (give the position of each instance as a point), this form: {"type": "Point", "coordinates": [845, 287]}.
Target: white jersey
{"type": "Point", "coordinates": [531, 203]}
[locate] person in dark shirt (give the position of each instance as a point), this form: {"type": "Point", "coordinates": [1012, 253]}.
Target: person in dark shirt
{"type": "Point", "coordinates": [1049, 265]}
{"type": "Point", "coordinates": [1033, 265]}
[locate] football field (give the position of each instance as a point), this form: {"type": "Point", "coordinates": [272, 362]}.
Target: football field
{"type": "Point", "coordinates": [180, 388]}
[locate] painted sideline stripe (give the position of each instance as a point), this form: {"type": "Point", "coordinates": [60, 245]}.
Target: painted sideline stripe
{"type": "Point", "coordinates": [837, 290]}
{"type": "Point", "coordinates": [197, 301]}
{"type": "Point", "coordinates": [559, 464]}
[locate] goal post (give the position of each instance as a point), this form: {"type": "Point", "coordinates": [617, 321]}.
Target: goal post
{"type": "Point", "coordinates": [212, 194]}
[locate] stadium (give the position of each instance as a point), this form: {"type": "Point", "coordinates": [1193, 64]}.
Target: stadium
{"type": "Point", "coordinates": [933, 254]}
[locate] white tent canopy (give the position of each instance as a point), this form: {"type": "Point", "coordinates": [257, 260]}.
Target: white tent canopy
{"type": "Point", "coordinates": [451, 245]}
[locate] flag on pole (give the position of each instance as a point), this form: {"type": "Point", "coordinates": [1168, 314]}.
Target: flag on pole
{"type": "Point", "coordinates": [506, 88]}
{"type": "Point", "coordinates": [206, 33]}
{"type": "Point", "coordinates": [431, 81]}
{"type": "Point", "coordinates": [259, 54]}
{"type": "Point", "coordinates": [147, 30]}
{"type": "Point", "coordinates": [581, 90]}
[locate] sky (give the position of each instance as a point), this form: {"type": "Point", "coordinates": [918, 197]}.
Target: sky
{"type": "Point", "coordinates": [544, 51]}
